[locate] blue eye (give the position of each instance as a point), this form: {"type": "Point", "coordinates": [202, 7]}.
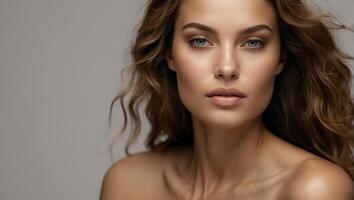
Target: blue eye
{"type": "Point", "coordinates": [198, 42]}
{"type": "Point", "coordinates": [253, 43]}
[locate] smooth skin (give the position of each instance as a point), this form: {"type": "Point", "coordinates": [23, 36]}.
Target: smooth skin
{"type": "Point", "coordinates": [227, 43]}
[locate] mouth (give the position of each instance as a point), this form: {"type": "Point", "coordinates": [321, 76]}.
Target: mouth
{"type": "Point", "coordinates": [225, 97]}
{"type": "Point", "coordinates": [226, 92]}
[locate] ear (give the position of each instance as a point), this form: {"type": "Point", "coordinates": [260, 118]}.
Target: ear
{"type": "Point", "coordinates": [281, 64]}
{"type": "Point", "coordinates": [169, 60]}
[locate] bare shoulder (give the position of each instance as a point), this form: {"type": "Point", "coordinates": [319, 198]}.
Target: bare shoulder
{"type": "Point", "coordinates": [320, 179]}
{"type": "Point", "coordinates": [129, 174]}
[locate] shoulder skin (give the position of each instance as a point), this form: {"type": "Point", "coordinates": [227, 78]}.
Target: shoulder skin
{"type": "Point", "coordinates": [321, 179]}
{"type": "Point", "coordinates": [126, 179]}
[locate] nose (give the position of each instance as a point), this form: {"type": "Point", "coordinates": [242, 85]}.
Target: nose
{"type": "Point", "coordinates": [227, 68]}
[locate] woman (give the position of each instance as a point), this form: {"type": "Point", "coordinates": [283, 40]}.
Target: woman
{"type": "Point", "coordinates": [246, 100]}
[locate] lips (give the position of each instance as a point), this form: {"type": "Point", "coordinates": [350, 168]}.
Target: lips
{"type": "Point", "coordinates": [226, 92]}
{"type": "Point", "coordinates": [226, 97]}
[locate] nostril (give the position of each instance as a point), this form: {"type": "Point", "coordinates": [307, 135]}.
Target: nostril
{"type": "Point", "coordinates": [226, 74]}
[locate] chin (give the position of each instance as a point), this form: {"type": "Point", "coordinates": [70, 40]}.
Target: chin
{"type": "Point", "coordinates": [221, 120]}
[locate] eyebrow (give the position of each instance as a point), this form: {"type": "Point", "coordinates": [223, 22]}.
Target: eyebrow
{"type": "Point", "coordinates": [248, 30]}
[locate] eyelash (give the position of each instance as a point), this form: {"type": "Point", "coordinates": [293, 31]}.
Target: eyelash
{"type": "Point", "coordinates": [204, 39]}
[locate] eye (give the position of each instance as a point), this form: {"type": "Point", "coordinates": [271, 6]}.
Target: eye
{"type": "Point", "coordinates": [198, 42]}
{"type": "Point", "coordinates": [254, 43]}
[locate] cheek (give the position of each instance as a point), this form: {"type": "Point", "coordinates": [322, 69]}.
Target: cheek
{"type": "Point", "coordinates": [259, 77]}
{"type": "Point", "coordinates": [191, 71]}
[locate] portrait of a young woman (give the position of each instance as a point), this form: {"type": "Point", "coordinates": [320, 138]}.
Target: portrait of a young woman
{"type": "Point", "coordinates": [246, 100]}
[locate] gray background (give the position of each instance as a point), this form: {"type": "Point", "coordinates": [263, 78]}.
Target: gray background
{"type": "Point", "coordinates": [59, 70]}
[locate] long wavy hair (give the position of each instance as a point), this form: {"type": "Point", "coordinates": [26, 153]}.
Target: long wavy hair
{"type": "Point", "coordinates": [318, 120]}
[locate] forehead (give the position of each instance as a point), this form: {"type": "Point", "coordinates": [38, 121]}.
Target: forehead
{"type": "Point", "coordinates": [227, 13]}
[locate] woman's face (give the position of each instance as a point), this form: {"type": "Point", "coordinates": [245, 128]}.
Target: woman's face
{"type": "Point", "coordinates": [225, 44]}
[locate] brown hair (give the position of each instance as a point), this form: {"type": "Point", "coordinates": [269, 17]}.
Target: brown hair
{"type": "Point", "coordinates": [318, 120]}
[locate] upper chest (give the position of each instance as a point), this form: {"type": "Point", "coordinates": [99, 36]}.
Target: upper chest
{"type": "Point", "coordinates": [171, 188]}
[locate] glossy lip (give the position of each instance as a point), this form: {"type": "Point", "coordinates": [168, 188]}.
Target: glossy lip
{"type": "Point", "coordinates": [226, 92]}
{"type": "Point", "coordinates": [225, 97]}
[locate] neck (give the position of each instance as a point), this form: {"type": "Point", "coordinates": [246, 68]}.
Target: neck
{"type": "Point", "coordinates": [222, 156]}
